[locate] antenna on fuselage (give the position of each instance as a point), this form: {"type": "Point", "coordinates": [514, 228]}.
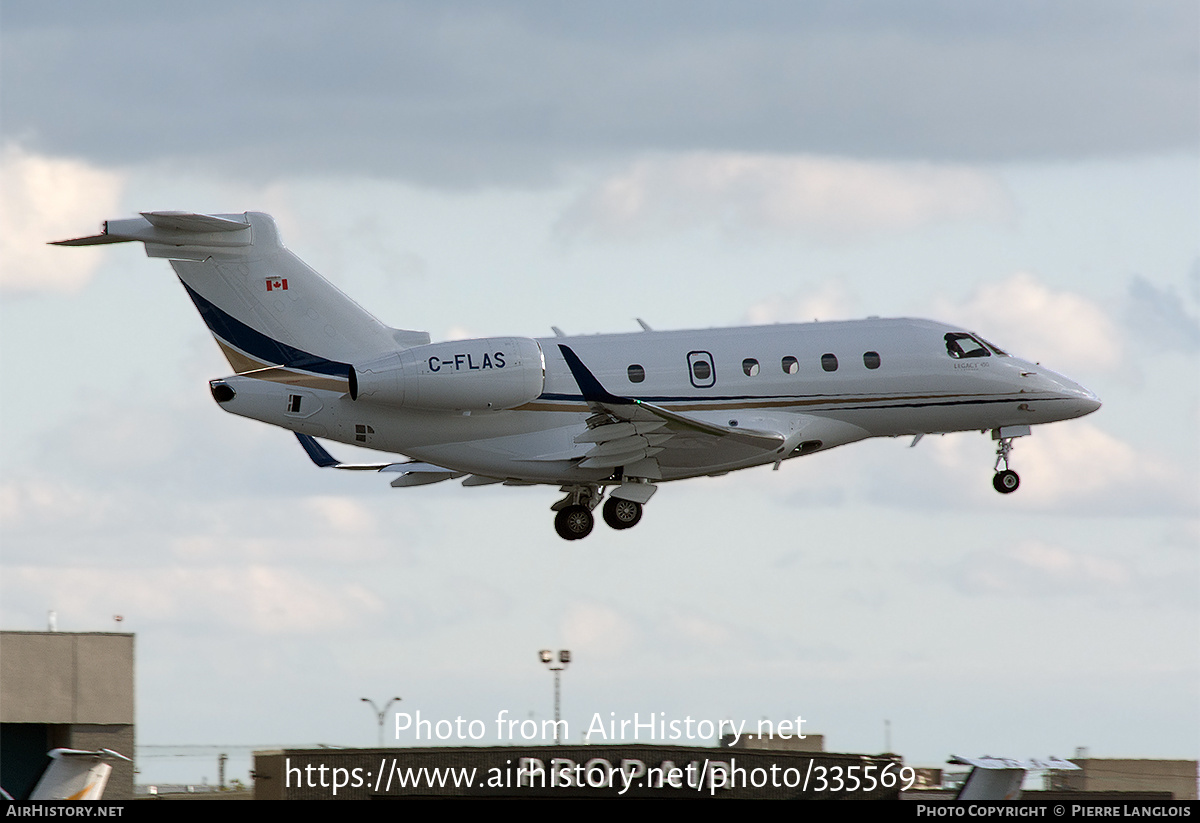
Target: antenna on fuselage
{"type": "Point", "coordinates": [557, 331]}
{"type": "Point", "coordinates": [645, 326]}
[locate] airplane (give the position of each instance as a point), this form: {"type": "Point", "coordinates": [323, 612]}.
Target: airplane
{"type": "Point", "coordinates": [74, 774]}
{"type": "Point", "coordinates": [1001, 778]}
{"type": "Point", "coordinates": [596, 415]}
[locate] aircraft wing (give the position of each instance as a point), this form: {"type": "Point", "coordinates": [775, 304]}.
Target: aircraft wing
{"type": "Point", "coordinates": [633, 430]}
{"type": "Point", "coordinates": [412, 472]}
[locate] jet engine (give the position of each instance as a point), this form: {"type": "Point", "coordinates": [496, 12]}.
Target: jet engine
{"type": "Point", "coordinates": [470, 375]}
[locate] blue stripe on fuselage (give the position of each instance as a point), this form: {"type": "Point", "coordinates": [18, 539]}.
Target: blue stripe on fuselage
{"type": "Point", "coordinates": [259, 345]}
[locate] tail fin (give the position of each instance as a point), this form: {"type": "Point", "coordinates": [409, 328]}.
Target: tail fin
{"type": "Point", "coordinates": [273, 316]}
{"type": "Point", "coordinates": [75, 774]}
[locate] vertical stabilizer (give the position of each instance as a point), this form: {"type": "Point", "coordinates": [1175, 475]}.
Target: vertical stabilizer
{"type": "Point", "coordinates": [75, 774]}
{"type": "Point", "coordinates": [272, 315]}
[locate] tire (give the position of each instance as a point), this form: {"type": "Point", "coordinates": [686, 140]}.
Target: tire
{"type": "Point", "coordinates": [574, 523]}
{"type": "Point", "coordinates": [622, 514]}
{"type": "Point", "coordinates": [1006, 482]}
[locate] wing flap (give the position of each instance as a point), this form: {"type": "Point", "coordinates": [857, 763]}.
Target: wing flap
{"type": "Point", "coordinates": [611, 431]}
{"type": "Point", "coordinates": [624, 445]}
{"type": "Point", "coordinates": [611, 461]}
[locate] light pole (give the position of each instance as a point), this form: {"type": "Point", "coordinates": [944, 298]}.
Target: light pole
{"type": "Point", "coordinates": [380, 714]}
{"type": "Point", "coordinates": [564, 657]}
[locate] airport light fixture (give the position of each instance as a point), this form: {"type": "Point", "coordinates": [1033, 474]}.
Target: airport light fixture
{"type": "Point", "coordinates": [564, 658]}
{"type": "Point", "coordinates": [380, 713]}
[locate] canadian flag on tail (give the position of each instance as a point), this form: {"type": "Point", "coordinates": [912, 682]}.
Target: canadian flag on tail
{"type": "Point", "coordinates": [276, 283]}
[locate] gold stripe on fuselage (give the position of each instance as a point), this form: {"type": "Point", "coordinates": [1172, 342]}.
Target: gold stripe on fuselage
{"type": "Point", "coordinates": [241, 363]}
{"type": "Point", "coordinates": [248, 366]}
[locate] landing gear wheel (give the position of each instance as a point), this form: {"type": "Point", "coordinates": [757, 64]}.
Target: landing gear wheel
{"type": "Point", "coordinates": [574, 522]}
{"type": "Point", "coordinates": [1006, 482]}
{"type": "Point", "coordinates": [622, 514]}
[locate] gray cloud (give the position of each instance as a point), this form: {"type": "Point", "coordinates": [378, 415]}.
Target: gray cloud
{"type": "Point", "coordinates": [1161, 315]}
{"type": "Point", "coordinates": [477, 93]}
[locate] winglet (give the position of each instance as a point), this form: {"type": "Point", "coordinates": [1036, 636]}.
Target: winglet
{"type": "Point", "coordinates": [315, 451]}
{"type": "Point", "coordinates": [593, 392]}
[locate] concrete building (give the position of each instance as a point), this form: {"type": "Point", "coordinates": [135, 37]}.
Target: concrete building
{"type": "Point", "coordinates": [64, 689]}
{"type": "Point", "coordinates": [777, 743]}
{"type": "Point", "coordinates": [1105, 775]}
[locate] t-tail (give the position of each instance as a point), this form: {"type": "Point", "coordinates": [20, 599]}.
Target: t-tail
{"type": "Point", "coordinates": [272, 315]}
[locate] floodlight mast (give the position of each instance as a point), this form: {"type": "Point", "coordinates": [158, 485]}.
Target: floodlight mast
{"type": "Point", "coordinates": [564, 658]}
{"type": "Point", "coordinates": [380, 713]}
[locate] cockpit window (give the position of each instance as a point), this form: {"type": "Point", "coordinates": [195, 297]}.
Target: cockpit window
{"type": "Point", "coordinates": [995, 349]}
{"type": "Point", "coordinates": [961, 346]}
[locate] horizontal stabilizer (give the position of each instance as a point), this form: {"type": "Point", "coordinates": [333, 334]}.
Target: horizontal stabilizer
{"type": "Point", "coordinates": [188, 222]}
{"type": "Point", "coordinates": [171, 229]}
{"type": "Point", "coordinates": [91, 240]}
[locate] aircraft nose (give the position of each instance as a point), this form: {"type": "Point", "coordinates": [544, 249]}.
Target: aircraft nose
{"type": "Point", "coordinates": [1082, 401]}
{"type": "Point", "coordinates": [1088, 402]}
{"type": "Point", "coordinates": [1074, 399]}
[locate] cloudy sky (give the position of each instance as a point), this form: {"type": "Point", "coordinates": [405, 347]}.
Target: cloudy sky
{"type": "Point", "coordinates": [1029, 171]}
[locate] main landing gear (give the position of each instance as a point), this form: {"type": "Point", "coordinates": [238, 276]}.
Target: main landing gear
{"type": "Point", "coordinates": [622, 514]}
{"type": "Point", "coordinates": [574, 520]}
{"type": "Point", "coordinates": [1006, 480]}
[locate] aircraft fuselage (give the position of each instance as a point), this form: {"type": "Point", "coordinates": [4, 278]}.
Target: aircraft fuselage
{"type": "Point", "coordinates": [830, 383]}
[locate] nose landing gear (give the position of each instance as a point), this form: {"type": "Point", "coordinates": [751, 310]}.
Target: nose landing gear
{"type": "Point", "coordinates": [1006, 480]}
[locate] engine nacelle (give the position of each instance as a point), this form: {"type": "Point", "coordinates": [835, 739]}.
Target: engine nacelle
{"type": "Point", "coordinates": [476, 375]}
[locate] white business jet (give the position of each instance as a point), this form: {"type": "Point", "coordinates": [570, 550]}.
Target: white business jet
{"type": "Point", "coordinates": [603, 414]}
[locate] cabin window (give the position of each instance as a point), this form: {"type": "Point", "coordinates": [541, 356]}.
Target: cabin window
{"type": "Point", "coordinates": [750, 366]}
{"type": "Point", "coordinates": [871, 359]}
{"type": "Point", "coordinates": [961, 346]}
{"type": "Point", "coordinates": [829, 362]}
{"type": "Point", "coordinates": [636, 373]}
{"type": "Point", "coordinates": [701, 370]}
{"type": "Point", "coordinates": [790, 365]}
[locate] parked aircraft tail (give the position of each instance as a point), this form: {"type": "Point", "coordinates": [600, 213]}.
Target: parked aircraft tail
{"type": "Point", "coordinates": [76, 774]}
{"type": "Point", "coordinates": [271, 314]}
